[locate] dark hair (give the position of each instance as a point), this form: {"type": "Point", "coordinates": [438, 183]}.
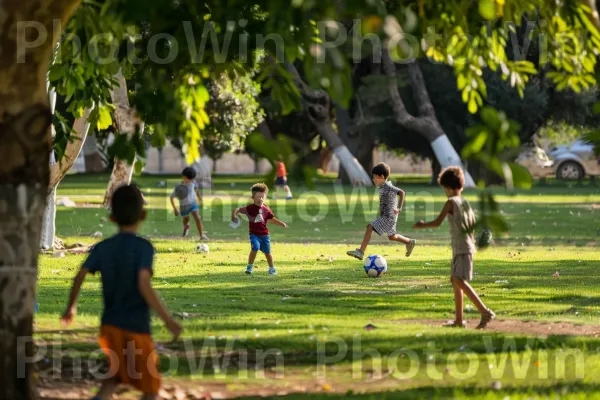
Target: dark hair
{"type": "Point", "coordinates": [382, 169]}
{"type": "Point", "coordinates": [260, 188]}
{"type": "Point", "coordinates": [452, 178]}
{"type": "Point", "coordinates": [189, 173]}
{"type": "Point", "coordinates": [127, 205]}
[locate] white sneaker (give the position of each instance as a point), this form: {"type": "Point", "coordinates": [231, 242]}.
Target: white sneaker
{"type": "Point", "coordinates": [410, 247]}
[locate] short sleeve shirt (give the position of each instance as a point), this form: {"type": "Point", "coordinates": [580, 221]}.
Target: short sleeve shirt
{"type": "Point", "coordinates": [119, 260]}
{"type": "Point", "coordinates": [388, 200]}
{"type": "Point", "coordinates": [258, 217]}
{"type": "Point", "coordinates": [190, 198]}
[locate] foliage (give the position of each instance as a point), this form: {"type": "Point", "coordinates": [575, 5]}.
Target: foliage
{"type": "Point", "coordinates": [558, 133]}
{"type": "Point", "coordinates": [234, 113]}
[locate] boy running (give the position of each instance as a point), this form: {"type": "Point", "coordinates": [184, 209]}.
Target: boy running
{"type": "Point", "coordinates": [259, 215]}
{"type": "Point", "coordinates": [125, 264]}
{"type": "Point", "coordinates": [462, 222]}
{"type": "Point", "coordinates": [281, 181]}
{"type": "Point", "coordinates": [391, 200]}
{"type": "Point", "coordinates": [187, 192]}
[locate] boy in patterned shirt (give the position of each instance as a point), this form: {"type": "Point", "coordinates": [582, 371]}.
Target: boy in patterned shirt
{"type": "Point", "coordinates": [259, 214]}
{"type": "Point", "coordinates": [391, 200]}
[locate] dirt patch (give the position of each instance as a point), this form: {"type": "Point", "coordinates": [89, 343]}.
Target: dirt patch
{"type": "Point", "coordinates": [529, 328]}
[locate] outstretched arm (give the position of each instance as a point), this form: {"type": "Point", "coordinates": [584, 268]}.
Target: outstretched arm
{"type": "Point", "coordinates": [237, 211]}
{"type": "Point", "coordinates": [438, 221]}
{"type": "Point", "coordinates": [173, 205]}
{"type": "Point", "coordinates": [401, 196]}
{"type": "Point", "coordinates": [71, 309]}
{"type": "Point", "coordinates": [280, 223]}
{"type": "Point", "coordinates": [198, 195]}
{"type": "Point", "coordinates": [152, 299]}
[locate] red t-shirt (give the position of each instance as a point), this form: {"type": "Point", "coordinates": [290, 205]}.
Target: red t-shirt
{"type": "Point", "coordinates": [258, 217]}
{"type": "Point", "coordinates": [281, 172]}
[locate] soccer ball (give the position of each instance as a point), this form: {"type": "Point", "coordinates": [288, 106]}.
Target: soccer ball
{"type": "Point", "coordinates": [375, 266]}
{"type": "Point", "coordinates": [202, 248]}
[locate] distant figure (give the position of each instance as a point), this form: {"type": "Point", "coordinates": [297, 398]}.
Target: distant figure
{"type": "Point", "coordinates": [125, 264]}
{"type": "Point", "coordinates": [187, 192]}
{"type": "Point", "coordinates": [281, 181]}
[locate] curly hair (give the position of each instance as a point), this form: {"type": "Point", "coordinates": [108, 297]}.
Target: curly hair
{"type": "Point", "coordinates": [382, 169]}
{"type": "Point", "coordinates": [260, 188]}
{"type": "Point", "coordinates": [452, 178]}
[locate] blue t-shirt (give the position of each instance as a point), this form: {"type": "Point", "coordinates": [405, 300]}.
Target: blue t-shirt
{"type": "Point", "coordinates": [119, 260]}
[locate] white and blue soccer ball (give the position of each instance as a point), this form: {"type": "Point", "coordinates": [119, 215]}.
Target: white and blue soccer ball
{"type": "Point", "coordinates": [375, 266]}
{"type": "Point", "coordinates": [202, 248]}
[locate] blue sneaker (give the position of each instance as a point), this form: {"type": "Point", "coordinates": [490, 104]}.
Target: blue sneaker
{"type": "Point", "coordinates": [248, 270]}
{"type": "Point", "coordinates": [272, 271]}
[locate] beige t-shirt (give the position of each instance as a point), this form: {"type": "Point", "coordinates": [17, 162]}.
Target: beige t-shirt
{"type": "Point", "coordinates": [462, 222]}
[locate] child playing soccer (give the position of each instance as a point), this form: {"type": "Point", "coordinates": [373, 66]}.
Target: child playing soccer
{"type": "Point", "coordinates": [125, 264]}
{"type": "Point", "coordinates": [258, 215]}
{"type": "Point", "coordinates": [186, 193]}
{"type": "Point", "coordinates": [391, 200]}
{"type": "Point", "coordinates": [281, 181]}
{"type": "Point", "coordinates": [462, 222]}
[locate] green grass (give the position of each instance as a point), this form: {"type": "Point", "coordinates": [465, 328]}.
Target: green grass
{"type": "Point", "coordinates": [314, 304]}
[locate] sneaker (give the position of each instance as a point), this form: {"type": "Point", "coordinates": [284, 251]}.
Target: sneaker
{"type": "Point", "coordinates": [272, 271]}
{"type": "Point", "coordinates": [204, 238]}
{"type": "Point", "coordinates": [455, 324]}
{"type": "Point", "coordinates": [356, 254]}
{"type": "Point", "coordinates": [248, 270]}
{"type": "Point", "coordinates": [486, 319]}
{"type": "Point", "coordinates": [186, 230]}
{"type": "Point", "coordinates": [289, 197]}
{"type": "Point", "coordinates": [410, 247]}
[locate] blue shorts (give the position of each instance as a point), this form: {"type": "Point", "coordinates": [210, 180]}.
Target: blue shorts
{"type": "Point", "coordinates": [187, 210]}
{"type": "Point", "coordinates": [262, 243]}
{"type": "Point", "coordinates": [281, 181]}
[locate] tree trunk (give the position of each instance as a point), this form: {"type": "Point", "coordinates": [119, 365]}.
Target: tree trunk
{"type": "Point", "coordinates": [91, 155]}
{"type": "Point", "coordinates": [203, 170]}
{"type": "Point", "coordinates": [126, 123]}
{"type": "Point", "coordinates": [58, 170]}
{"type": "Point", "coordinates": [318, 105]}
{"type": "Point", "coordinates": [426, 124]}
{"type": "Point", "coordinates": [214, 166]}
{"type": "Point", "coordinates": [359, 142]}
{"type": "Point", "coordinates": [25, 139]}
{"type": "Point", "coordinates": [325, 159]}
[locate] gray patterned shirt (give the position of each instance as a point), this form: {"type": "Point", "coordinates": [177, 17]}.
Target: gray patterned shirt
{"type": "Point", "coordinates": [388, 200]}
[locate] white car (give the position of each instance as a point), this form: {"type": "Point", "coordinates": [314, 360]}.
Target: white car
{"type": "Point", "coordinates": [535, 159]}
{"type": "Point", "coordinates": [576, 160]}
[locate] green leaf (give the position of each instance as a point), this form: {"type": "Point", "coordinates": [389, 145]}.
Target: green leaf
{"type": "Point", "coordinates": [521, 176]}
{"type": "Point", "coordinates": [487, 9]}
{"type": "Point", "coordinates": [104, 118]}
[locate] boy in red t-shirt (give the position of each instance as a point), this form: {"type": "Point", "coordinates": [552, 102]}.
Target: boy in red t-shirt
{"type": "Point", "coordinates": [258, 215]}
{"type": "Point", "coordinates": [281, 181]}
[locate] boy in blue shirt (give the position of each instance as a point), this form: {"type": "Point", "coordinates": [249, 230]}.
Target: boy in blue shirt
{"type": "Point", "coordinates": [125, 264]}
{"type": "Point", "coordinates": [187, 193]}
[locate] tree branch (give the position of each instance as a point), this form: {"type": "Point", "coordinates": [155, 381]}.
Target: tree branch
{"type": "Point", "coordinates": [420, 94]}
{"type": "Point", "coordinates": [593, 15]}
{"type": "Point", "coordinates": [401, 115]}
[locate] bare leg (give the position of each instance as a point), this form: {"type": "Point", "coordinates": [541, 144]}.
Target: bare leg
{"type": "Point", "coordinates": [107, 390]}
{"type": "Point", "coordinates": [277, 191]}
{"type": "Point", "coordinates": [269, 258]}
{"type": "Point", "coordinates": [186, 221]}
{"type": "Point", "coordinates": [458, 300]}
{"type": "Point", "coordinates": [470, 292]}
{"type": "Point", "coordinates": [252, 257]}
{"type": "Point", "coordinates": [198, 223]}
{"type": "Point", "coordinates": [399, 238]}
{"type": "Point", "coordinates": [367, 238]}
{"type": "Point", "coordinates": [288, 191]}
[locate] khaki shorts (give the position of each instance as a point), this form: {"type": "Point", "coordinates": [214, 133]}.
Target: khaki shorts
{"type": "Point", "coordinates": [462, 267]}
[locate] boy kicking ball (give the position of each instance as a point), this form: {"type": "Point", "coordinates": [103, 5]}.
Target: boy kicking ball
{"type": "Point", "coordinates": [259, 215]}
{"type": "Point", "coordinates": [187, 192]}
{"type": "Point", "coordinates": [462, 221]}
{"type": "Point", "coordinates": [391, 200]}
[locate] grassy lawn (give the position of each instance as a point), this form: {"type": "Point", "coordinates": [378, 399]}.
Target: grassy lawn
{"type": "Point", "coordinates": [304, 330]}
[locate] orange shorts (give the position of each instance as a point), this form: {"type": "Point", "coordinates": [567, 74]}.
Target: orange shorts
{"type": "Point", "coordinates": [132, 358]}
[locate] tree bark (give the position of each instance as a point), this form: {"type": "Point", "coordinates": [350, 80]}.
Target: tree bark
{"type": "Point", "coordinates": [58, 170]}
{"type": "Point", "coordinates": [126, 123]}
{"type": "Point", "coordinates": [426, 124]}
{"type": "Point", "coordinates": [25, 139]}
{"type": "Point", "coordinates": [91, 155]}
{"type": "Point", "coordinates": [360, 142]}
{"type": "Point", "coordinates": [318, 105]}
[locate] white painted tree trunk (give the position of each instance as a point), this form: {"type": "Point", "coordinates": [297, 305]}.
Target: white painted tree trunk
{"type": "Point", "coordinates": [448, 157]}
{"type": "Point", "coordinates": [355, 171]}
{"type": "Point", "coordinates": [203, 171]}
{"type": "Point", "coordinates": [126, 122]}
{"type": "Point", "coordinates": [58, 170]}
